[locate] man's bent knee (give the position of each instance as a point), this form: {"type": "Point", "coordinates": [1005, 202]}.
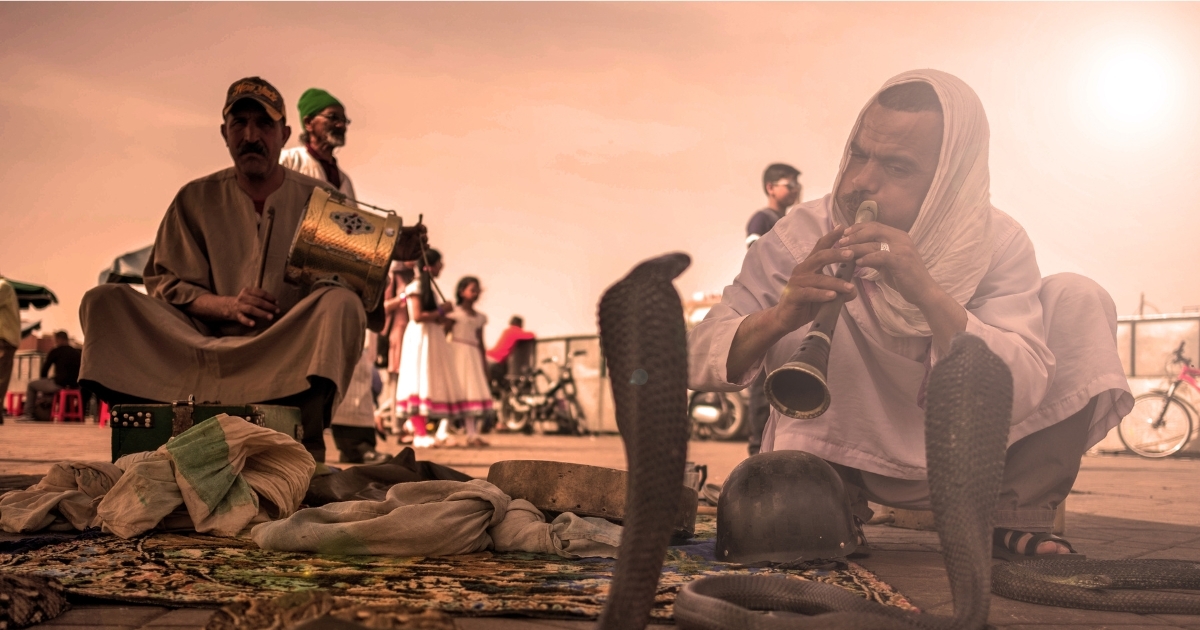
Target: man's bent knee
{"type": "Point", "coordinates": [343, 303]}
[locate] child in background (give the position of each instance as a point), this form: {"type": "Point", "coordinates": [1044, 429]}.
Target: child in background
{"type": "Point", "coordinates": [395, 308]}
{"type": "Point", "coordinates": [427, 387]}
{"type": "Point", "coordinates": [470, 363]}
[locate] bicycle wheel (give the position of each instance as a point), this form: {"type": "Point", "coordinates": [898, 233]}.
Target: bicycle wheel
{"type": "Point", "coordinates": [1144, 433]}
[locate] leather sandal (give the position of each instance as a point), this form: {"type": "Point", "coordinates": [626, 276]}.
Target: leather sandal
{"type": "Point", "coordinates": [1006, 545]}
{"type": "Point", "coordinates": [863, 549]}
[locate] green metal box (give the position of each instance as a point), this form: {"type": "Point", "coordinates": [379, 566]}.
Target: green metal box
{"type": "Point", "coordinates": [138, 428]}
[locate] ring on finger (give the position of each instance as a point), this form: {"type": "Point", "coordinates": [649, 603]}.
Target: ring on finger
{"type": "Point", "coordinates": [883, 247]}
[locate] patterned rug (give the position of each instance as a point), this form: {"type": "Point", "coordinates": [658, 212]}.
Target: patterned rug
{"type": "Point", "coordinates": [191, 570]}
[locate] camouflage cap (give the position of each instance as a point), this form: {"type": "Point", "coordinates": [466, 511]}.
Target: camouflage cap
{"type": "Point", "coordinates": [259, 90]}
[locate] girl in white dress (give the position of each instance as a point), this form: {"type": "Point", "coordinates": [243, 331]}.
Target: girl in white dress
{"type": "Point", "coordinates": [427, 388]}
{"type": "Point", "coordinates": [466, 342]}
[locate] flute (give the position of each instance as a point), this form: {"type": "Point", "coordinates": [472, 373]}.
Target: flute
{"type": "Point", "coordinates": [799, 388]}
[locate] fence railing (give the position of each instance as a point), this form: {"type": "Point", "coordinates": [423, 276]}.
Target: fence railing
{"type": "Point", "coordinates": [591, 377]}
{"type": "Point", "coordinates": [1145, 342]}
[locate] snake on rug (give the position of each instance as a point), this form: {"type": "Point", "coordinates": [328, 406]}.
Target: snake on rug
{"type": "Point", "coordinates": [967, 418]}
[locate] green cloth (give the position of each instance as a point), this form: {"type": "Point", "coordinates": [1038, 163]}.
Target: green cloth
{"type": "Point", "coordinates": [313, 101]}
{"type": "Point", "coordinates": [10, 316]}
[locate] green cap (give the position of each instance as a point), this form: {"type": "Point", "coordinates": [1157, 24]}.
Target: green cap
{"type": "Point", "coordinates": [313, 101]}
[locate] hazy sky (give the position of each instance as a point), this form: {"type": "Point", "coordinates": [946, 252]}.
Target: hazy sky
{"type": "Point", "coordinates": [552, 146]}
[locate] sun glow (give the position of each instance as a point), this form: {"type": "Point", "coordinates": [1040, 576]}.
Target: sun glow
{"type": "Point", "coordinates": [1131, 89]}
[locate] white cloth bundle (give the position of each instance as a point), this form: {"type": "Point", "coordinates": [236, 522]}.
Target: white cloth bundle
{"type": "Point", "coordinates": [438, 518]}
{"type": "Point", "coordinates": [227, 472]}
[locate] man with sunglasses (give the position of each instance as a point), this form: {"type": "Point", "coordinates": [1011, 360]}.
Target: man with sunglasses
{"type": "Point", "coordinates": [782, 186]}
{"type": "Point", "coordinates": [325, 122]}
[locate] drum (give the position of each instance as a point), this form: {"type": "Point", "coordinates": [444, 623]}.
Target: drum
{"type": "Point", "coordinates": [342, 243]}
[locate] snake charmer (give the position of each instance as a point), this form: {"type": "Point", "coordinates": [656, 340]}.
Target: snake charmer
{"type": "Point", "coordinates": [939, 260]}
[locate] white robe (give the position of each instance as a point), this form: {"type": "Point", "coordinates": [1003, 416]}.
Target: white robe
{"type": "Point", "coordinates": [357, 408]}
{"type": "Point", "coordinates": [874, 422]}
{"type": "Point", "coordinates": [298, 159]}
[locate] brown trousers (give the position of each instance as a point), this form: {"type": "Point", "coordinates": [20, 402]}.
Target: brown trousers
{"type": "Point", "coordinates": [1039, 471]}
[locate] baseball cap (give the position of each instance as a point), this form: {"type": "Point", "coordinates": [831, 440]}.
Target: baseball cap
{"type": "Point", "coordinates": [259, 90]}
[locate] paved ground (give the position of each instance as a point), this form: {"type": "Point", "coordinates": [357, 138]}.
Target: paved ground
{"type": "Point", "coordinates": [1122, 507]}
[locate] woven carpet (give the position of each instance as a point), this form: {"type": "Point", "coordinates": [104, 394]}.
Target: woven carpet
{"type": "Point", "coordinates": [192, 570]}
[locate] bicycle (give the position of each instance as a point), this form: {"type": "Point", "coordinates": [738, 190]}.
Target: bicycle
{"type": "Point", "coordinates": [1160, 423]}
{"type": "Point", "coordinates": [529, 400]}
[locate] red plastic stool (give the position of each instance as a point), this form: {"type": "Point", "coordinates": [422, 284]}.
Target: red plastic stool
{"type": "Point", "coordinates": [102, 420]}
{"type": "Point", "coordinates": [68, 405]}
{"type": "Point", "coordinates": [14, 403]}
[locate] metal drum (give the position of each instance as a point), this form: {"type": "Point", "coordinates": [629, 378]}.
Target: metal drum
{"type": "Point", "coordinates": [342, 243]}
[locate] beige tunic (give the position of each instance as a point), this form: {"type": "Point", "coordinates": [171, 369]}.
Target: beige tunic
{"type": "Point", "coordinates": [298, 159]}
{"type": "Point", "coordinates": [209, 243]}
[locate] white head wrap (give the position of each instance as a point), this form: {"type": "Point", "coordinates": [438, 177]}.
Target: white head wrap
{"type": "Point", "coordinates": [954, 220]}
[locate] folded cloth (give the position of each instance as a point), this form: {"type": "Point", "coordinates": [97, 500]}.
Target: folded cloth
{"type": "Point", "coordinates": [145, 494]}
{"type": "Point", "coordinates": [524, 528]}
{"type": "Point", "coordinates": [437, 518]}
{"type": "Point", "coordinates": [70, 491]}
{"type": "Point", "coordinates": [224, 465]}
{"type": "Point", "coordinates": [372, 482]}
{"type": "Point", "coordinates": [227, 472]}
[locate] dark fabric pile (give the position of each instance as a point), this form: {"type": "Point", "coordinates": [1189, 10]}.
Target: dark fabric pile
{"type": "Point", "coordinates": [371, 483]}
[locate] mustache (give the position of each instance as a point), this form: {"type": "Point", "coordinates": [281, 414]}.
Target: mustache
{"type": "Point", "coordinates": [849, 202]}
{"type": "Point", "coordinates": [252, 147]}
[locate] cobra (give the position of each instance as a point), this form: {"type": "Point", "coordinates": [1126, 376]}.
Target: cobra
{"type": "Point", "coordinates": [969, 408]}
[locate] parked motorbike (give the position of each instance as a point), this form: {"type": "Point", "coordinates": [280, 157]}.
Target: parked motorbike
{"type": "Point", "coordinates": [534, 402]}
{"type": "Point", "coordinates": [718, 415]}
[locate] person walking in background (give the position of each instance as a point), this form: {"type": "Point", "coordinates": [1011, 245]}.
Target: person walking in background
{"type": "Point", "coordinates": [470, 362]}
{"type": "Point", "coordinates": [782, 186]}
{"type": "Point", "coordinates": [65, 360]}
{"type": "Point", "coordinates": [428, 387]}
{"type": "Point", "coordinates": [325, 122]}
{"type": "Point", "coordinates": [395, 308]}
{"type": "Point", "coordinates": [10, 334]}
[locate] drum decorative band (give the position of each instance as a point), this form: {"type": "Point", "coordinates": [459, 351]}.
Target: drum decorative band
{"type": "Point", "coordinates": [342, 243]}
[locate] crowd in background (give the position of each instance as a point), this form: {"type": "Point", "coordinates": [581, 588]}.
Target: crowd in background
{"type": "Point", "coordinates": [439, 371]}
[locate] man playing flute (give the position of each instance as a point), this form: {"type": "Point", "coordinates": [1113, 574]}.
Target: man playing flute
{"type": "Point", "coordinates": [940, 260]}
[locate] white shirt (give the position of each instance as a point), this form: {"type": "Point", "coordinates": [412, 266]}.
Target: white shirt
{"type": "Point", "coordinates": [874, 422]}
{"type": "Point", "coordinates": [357, 408]}
{"type": "Point", "coordinates": [298, 159]}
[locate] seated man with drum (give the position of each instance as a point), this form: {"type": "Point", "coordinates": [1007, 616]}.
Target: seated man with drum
{"type": "Point", "coordinates": [219, 322]}
{"type": "Point", "coordinates": [938, 261]}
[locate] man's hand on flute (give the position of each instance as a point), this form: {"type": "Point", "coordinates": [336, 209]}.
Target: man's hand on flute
{"type": "Point", "coordinates": [891, 252]}
{"type": "Point", "coordinates": [807, 289]}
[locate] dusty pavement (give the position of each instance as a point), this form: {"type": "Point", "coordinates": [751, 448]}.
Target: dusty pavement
{"type": "Point", "coordinates": [1122, 507]}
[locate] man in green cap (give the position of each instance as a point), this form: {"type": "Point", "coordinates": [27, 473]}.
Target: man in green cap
{"type": "Point", "coordinates": [325, 122]}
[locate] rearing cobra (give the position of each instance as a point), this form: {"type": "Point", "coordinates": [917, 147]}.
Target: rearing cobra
{"type": "Point", "coordinates": [968, 412]}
